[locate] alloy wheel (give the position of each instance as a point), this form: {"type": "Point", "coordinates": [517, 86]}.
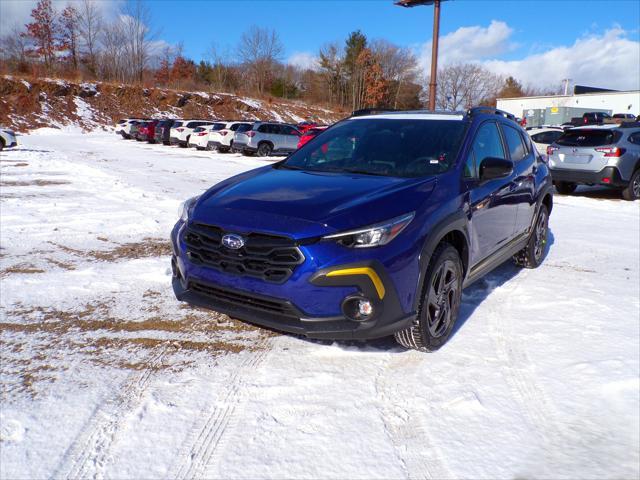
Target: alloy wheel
{"type": "Point", "coordinates": [442, 298]}
{"type": "Point", "coordinates": [636, 186]}
{"type": "Point", "coordinates": [540, 235]}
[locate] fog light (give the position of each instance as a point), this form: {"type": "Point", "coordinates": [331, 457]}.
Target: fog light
{"type": "Point", "coordinates": [365, 308]}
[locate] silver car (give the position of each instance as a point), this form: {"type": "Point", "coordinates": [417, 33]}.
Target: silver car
{"type": "Point", "coordinates": [266, 138]}
{"type": "Point", "coordinates": [597, 155]}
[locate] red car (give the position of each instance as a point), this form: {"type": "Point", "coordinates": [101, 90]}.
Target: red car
{"type": "Point", "coordinates": [309, 134]}
{"type": "Point", "coordinates": [303, 127]}
{"type": "Point", "coordinates": [147, 131]}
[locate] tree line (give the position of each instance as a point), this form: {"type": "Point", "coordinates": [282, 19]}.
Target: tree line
{"type": "Point", "coordinates": [359, 73]}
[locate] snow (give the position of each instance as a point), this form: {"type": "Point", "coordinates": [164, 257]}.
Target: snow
{"type": "Point", "coordinates": [251, 102]}
{"type": "Point", "coordinates": [84, 110]}
{"type": "Point", "coordinates": [26, 84]}
{"type": "Point", "coordinates": [105, 374]}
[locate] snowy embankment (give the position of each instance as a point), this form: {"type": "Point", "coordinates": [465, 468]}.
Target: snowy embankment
{"type": "Point", "coordinates": [104, 374]}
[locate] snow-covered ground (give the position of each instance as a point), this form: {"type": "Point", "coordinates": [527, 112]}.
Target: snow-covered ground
{"type": "Point", "coordinates": [105, 374]}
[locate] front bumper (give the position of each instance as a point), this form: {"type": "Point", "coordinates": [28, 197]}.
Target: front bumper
{"type": "Point", "coordinates": [278, 309]}
{"type": "Point", "coordinates": [611, 174]}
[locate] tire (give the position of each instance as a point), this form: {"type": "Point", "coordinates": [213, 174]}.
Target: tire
{"type": "Point", "coordinates": [1, 144]}
{"type": "Point", "coordinates": [533, 254]}
{"type": "Point", "coordinates": [566, 188]}
{"type": "Point", "coordinates": [264, 149]}
{"type": "Point", "coordinates": [439, 304]}
{"type": "Point", "coordinates": [632, 192]}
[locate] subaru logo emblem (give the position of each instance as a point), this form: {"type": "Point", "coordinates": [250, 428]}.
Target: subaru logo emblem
{"type": "Point", "coordinates": [233, 241]}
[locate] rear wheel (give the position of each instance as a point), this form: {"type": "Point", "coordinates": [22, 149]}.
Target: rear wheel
{"type": "Point", "coordinates": [440, 302]}
{"type": "Point", "coordinates": [1, 144]}
{"type": "Point", "coordinates": [264, 149]}
{"type": "Point", "coordinates": [632, 192]}
{"type": "Point", "coordinates": [532, 255]}
{"type": "Point", "coordinates": [565, 188]}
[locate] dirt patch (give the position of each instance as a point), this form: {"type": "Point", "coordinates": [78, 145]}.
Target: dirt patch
{"type": "Point", "coordinates": [148, 247]}
{"type": "Point", "coordinates": [26, 268]}
{"type": "Point", "coordinates": [31, 183]}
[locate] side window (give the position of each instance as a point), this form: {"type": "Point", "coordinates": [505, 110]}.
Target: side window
{"type": "Point", "coordinates": [264, 129]}
{"type": "Point", "coordinates": [234, 127]}
{"type": "Point", "coordinates": [635, 138]}
{"type": "Point", "coordinates": [487, 143]}
{"type": "Point", "coordinates": [517, 149]}
{"type": "Point", "coordinates": [287, 130]}
{"type": "Point", "coordinates": [526, 141]}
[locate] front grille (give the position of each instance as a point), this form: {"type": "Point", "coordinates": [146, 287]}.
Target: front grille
{"type": "Point", "coordinates": [268, 257]}
{"type": "Point", "coordinates": [243, 300]}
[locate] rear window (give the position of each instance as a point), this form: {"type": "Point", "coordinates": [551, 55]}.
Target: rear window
{"type": "Point", "coordinates": [177, 124]}
{"type": "Point", "coordinates": [245, 127]}
{"type": "Point", "coordinates": [546, 138]}
{"type": "Point", "coordinates": [218, 126]}
{"type": "Point", "coordinates": [588, 138]}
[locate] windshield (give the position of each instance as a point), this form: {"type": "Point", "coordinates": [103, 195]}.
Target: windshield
{"type": "Point", "coordinates": [389, 147]}
{"type": "Point", "coordinates": [588, 138]}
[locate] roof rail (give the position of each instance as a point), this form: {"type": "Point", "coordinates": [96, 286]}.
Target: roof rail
{"type": "Point", "coordinates": [490, 111]}
{"type": "Point", "coordinates": [370, 111]}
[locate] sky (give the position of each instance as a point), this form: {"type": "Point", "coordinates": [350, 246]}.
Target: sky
{"type": "Point", "coordinates": [594, 42]}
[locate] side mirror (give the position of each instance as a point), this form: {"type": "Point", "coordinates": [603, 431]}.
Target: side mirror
{"type": "Point", "coordinates": [492, 167]}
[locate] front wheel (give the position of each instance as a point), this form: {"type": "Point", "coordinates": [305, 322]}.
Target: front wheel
{"type": "Point", "coordinates": [532, 255]}
{"type": "Point", "coordinates": [566, 188]}
{"type": "Point", "coordinates": [440, 302]}
{"type": "Point", "coordinates": [632, 192]}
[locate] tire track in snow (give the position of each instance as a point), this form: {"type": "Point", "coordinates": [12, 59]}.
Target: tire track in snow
{"type": "Point", "coordinates": [204, 442]}
{"type": "Point", "coordinates": [556, 435]}
{"type": "Point", "coordinates": [91, 447]}
{"type": "Point", "coordinates": [411, 441]}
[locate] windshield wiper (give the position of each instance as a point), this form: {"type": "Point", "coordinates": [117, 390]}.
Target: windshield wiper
{"type": "Point", "coordinates": [363, 172]}
{"type": "Point", "coordinates": [290, 167]}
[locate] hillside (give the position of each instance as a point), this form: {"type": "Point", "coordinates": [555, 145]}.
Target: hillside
{"type": "Point", "coordinates": [46, 102]}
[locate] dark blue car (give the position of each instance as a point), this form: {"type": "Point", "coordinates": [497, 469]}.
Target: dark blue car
{"type": "Point", "coordinates": [373, 228]}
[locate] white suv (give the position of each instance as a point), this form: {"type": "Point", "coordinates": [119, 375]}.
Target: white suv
{"type": "Point", "coordinates": [200, 136]}
{"type": "Point", "coordinates": [222, 140]}
{"type": "Point", "coordinates": [7, 139]}
{"type": "Point", "coordinates": [181, 131]}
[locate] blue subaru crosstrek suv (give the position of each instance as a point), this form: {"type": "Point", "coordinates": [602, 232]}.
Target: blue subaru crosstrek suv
{"type": "Point", "coordinates": [373, 228]}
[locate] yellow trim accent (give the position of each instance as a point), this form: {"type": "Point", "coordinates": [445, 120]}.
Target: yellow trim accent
{"type": "Point", "coordinates": [369, 272]}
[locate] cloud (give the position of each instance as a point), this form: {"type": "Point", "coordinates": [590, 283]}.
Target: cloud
{"type": "Point", "coordinates": [304, 60]}
{"type": "Point", "coordinates": [470, 44]}
{"type": "Point", "coordinates": [16, 13]}
{"type": "Point", "coordinates": [609, 60]}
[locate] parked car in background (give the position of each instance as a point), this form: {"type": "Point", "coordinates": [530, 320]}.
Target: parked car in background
{"type": "Point", "coordinates": [7, 138]}
{"type": "Point", "coordinates": [596, 118]}
{"type": "Point", "coordinates": [373, 229]}
{"type": "Point", "coordinates": [147, 131]}
{"type": "Point", "coordinates": [200, 135]}
{"type": "Point", "coordinates": [133, 129]}
{"type": "Point", "coordinates": [163, 130]}
{"type": "Point", "coordinates": [544, 136]}
{"type": "Point", "coordinates": [222, 140]}
{"type": "Point", "coordinates": [123, 127]}
{"type": "Point", "coordinates": [597, 155]}
{"type": "Point", "coordinates": [267, 138]}
{"type": "Point", "coordinates": [623, 117]}
{"type": "Point", "coordinates": [181, 131]}
{"type": "Point", "coordinates": [309, 134]}
{"type": "Point", "coordinates": [302, 127]}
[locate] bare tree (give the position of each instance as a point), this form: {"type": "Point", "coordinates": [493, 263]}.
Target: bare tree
{"type": "Point", "coordinates": [465, 85]}
{"type": "Point", "coordinates": [260, 49]}
{"type": "Point", "coordinates": [113, 62]}
{"type": "Point", "coordinates": [14, 46]}
{"type": "Point", "coordinates": [399, 66]}
{"type": "Point", "coordinates": [90, 25]}
{"type": "Point", "coordinates": [220, 60]}
{"type": "Point", "coordinates": [136, 21]}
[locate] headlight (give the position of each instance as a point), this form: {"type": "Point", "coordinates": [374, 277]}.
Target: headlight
{"type": "Point", "coordinates": [187, 207]}
{"type": "Point", "coordinates": [375, 235]}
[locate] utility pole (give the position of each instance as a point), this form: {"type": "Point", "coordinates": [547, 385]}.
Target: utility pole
{"type": "Point", "coordinates": [433, 79]}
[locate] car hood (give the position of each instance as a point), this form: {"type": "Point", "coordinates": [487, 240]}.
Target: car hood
{"type": "Point", "coordinates": [303, 204]}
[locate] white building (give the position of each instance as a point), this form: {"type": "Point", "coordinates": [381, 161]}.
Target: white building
{"type": "Point", "coordinates": [615, 102]}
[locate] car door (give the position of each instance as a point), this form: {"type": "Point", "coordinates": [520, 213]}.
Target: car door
{"type": "Point", "coordinates": [491, 209]}
{"type": "Point", "coordinates": [522, 191]}
{"type": "Point", "coordinates": [291, 137]}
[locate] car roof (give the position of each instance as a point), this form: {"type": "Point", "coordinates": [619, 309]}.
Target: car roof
{"type": "Point", "coordinates": [416, 115]}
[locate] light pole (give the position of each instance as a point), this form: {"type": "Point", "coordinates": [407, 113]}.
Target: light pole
{"type": "Point", "coordinates": [434, 44]}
